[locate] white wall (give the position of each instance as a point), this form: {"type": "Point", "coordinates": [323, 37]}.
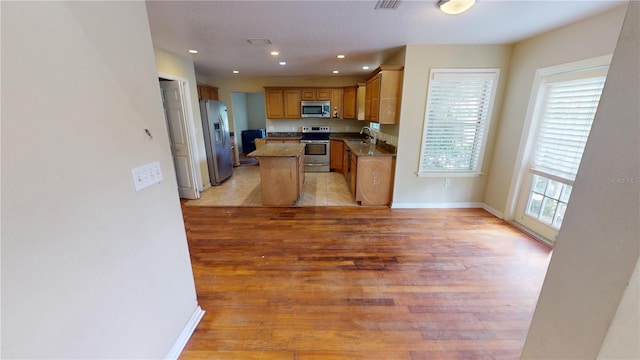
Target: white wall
{"type": "Point", "coordinates": [623, 337]}
{"type": "Point", "coordinates": [256, 116]}
{"type": "Point", "coordinates": [592, 37]}
{"type": "Point", "coordinates": [410, 190]}
{"type": "Point", "coordinates": [90, 267]}
{"type": "Point", "coordinates": [170, 63]}
{"type": "Point", "coordinates": [598, 245]}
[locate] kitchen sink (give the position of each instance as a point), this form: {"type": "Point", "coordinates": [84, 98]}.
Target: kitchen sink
{"type": "Point", "coordinates": [356, 141]}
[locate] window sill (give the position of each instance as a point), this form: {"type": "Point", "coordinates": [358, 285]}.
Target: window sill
{"type": "Point", "coordinates": [449, 174]}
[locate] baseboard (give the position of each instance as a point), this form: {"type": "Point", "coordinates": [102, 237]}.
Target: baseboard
{"type": "Point", "coordinates": [438, 205]}
{"type": "Point", "coordinates": [206, 186]}
{"type": "Point", "coordinates": [494, 212]}
{"type": "Point", "coordinates": [186, 333]}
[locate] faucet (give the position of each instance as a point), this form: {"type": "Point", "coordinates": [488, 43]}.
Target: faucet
{"type": "Point", "coordinates": [368, 131]}
{"type": "Point", "coordinates": [369, 137]}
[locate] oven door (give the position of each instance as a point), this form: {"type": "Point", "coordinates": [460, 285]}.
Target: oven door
{"type": "Point", "coordinates": [316, 155]}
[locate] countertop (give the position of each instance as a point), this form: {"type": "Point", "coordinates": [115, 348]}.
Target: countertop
{"type": "Point", "coordinates": [370, 149]}
{"type": "Point", "coordinates": [279, 150]}
{"type": "Point", "coordinates": [381, 149]}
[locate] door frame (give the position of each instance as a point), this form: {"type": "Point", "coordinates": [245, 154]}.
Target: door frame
{"type": "Point", "coordinates": [190, 126]}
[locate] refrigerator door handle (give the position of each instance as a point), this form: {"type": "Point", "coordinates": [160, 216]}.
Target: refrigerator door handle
{"type": "Point", "coordinates": [224, 130]}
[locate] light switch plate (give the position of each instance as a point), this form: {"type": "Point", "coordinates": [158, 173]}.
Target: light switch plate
{"type": "Point", "coordinates": [146, 175]}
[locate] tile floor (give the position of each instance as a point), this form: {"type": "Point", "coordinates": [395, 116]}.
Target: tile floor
{"type": "Point", "coordinates": [243, 189]}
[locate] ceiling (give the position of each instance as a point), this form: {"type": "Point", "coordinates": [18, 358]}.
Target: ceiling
{"type": "Point", "coordinates": [310, 34]}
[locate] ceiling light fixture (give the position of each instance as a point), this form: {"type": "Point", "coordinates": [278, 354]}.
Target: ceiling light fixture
{"type": "Point", "coordinates": [236, 71]}
{"type": "Point", "coordinates": [365, 68]}
{"type": "Point", "coordinates": [454, 7]}
{"type": "Point", "coordinates": [193, 51]}
{"type": "Point", "coordinates": [340, 56]}
{"type": "Point", "coordinates": [275, 53]}
{"type": "Point", "coordinates": [336, 71]}
{"type": "Point", "coordinates": [282, 63]}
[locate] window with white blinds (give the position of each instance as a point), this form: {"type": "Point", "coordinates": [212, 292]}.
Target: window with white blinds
{"type": "Point", "coordinates": [459, 105]}
{"type": "Point", "coordinates": [566, 116]}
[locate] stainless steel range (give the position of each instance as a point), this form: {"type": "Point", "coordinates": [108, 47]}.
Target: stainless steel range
{"type": "Point", "coordinates": [317, 149]}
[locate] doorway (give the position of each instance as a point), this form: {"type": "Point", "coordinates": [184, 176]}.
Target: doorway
{"type": "Point", "coordinates": [248, 114]}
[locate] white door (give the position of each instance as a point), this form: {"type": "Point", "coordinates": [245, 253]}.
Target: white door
{"type": "Point", "coordinates": [172, 100]}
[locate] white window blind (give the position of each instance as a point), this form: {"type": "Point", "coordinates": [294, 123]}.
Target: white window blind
{"type": "Point", "coordinates": [567, 114]}
{"type": "Point", "coordinates": [457, 118]}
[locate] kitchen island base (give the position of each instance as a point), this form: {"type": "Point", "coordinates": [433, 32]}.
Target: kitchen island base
{"type": "Point", "coordinates": [281, 173]}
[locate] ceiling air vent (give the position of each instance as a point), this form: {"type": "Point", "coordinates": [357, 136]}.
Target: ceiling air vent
{"type": "Point", "coordinates": [387, 4]}
{"type": "Point", "coordinates": [259, 41]}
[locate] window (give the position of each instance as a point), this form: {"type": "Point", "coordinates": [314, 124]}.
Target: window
{"type": "Point", "coordinates": [566, 114]}
{"type": "Point", "coordinates": [457, 116]}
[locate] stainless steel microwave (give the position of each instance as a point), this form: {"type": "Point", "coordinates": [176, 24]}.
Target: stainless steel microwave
{"type": "Point", "coordinates": [315, 109]}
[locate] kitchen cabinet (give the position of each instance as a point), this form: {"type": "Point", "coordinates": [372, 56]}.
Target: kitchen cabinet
{"type": "Point", "coordinates": [350, 102]}
{"type": "Point", "coordinates": [292, 104]}
{"type": "Point", "coordinates": [353, 175]}
{"type": "Point", "coordinates": [368, 170]}
{"type": "Point", "coordinates": [383, 91]}
{"type": "Point", "coordinates": [281, 173]}
{"type": "Point", "coordinates": [336, 154]}
{"type": "Point", "coordinates": [374, 179]}
{"type": "Point", "coordinates": [346, 157]}
{"type": "Point", "coordinates": [206, 92]}
{"type": "Point", "coordinates": [315, 94]}
{"type": "Point", "coordinates": [336, 103]}
{"type": "Point", "coordinates": [274, 100]}
{"type": "Point", "coordinates": [282, 103]}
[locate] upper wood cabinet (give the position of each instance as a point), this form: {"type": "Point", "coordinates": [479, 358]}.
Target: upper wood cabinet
{"type": "Point", "coordinates": [350, 102]}
{"type": "Point", "coordinates": [315, 94]}
{"type": "Point", "coordinates": [282, 103]}
{"type": "Point", "coordinates": [336, 103]}
{"type": "Point", "coordinates": [274, 100]}
{"type": "Point", "coordinates": [346, 102]}
{"type": "Point", "coordinates": [206, 92]}
{"type": "Point", "coordinates": [292, 104]}
{"type": "Point", "coordinates": [383, 94]}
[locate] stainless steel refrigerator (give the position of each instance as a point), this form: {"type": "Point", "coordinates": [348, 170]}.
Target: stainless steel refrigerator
{"type": "Point", "coordinates": [217, 141]}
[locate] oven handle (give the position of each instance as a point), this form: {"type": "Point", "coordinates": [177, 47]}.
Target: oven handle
{"type": "Point", "coordinates": [314, 141]}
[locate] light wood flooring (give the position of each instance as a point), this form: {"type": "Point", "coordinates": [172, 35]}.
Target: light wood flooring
{"type": "Point", "coordinates": [243, 189]}
{"type": "Point", "coordinates": [308, 283]}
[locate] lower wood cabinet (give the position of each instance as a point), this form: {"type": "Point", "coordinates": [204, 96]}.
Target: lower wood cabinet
{"type": "Point", "coordinates": [337, 150]}
{"type": "Point", "coordinates": [374, 180]}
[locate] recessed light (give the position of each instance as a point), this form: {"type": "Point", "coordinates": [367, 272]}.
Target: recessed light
{"type": "Point", "coordinates": [236, 71]}
{"type": "Point", "coordinates": [336, 71]}
{"type": "Point", "coordinates": [275, 53]}
{"type": "Point", "coordinates": [282, 63]}
{"type": "Point", "coordinates": [365, 68]}
{"type": "Point", "coordinates": [340, 56]}
{"type": "Point", "coordinates": [193, 51]}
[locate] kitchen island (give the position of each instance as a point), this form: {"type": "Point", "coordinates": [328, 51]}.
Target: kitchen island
{"type": "Point", "coordinates": [281, 173]}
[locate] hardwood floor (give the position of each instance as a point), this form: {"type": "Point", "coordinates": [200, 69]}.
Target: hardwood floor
{"type": "Point", "coordinates": [354, 283]}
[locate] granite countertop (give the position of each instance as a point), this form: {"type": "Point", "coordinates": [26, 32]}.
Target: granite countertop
{"type": "Point", "coordinates": [279, 150]}
{"type": "Point", "coordinates": [371, 150]}
{"type": "Point", "coordinates": [366, 149]}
